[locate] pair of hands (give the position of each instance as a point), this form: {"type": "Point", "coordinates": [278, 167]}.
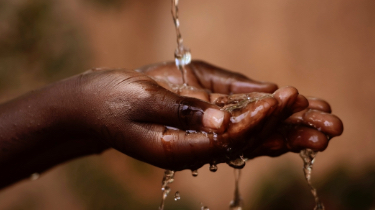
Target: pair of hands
{"type": "Point", "coordinates": [146, 114]}
{"type": "Point", "coordinates": [221, 115]}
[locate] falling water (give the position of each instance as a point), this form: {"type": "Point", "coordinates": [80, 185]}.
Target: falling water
{"type": "Point", "coordinates": [308, 157]}
{"type": "Point", "coordinates": [182, 54]}
{"type": "Point", "coordinates": [168, 178]}
{"type": "Point", "coordinates": [177, 196]}
{"type": "Point", "coordinates": [236, 203]}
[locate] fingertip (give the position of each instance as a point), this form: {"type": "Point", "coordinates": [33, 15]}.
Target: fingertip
{"type": "Point", "coordinates": [285, 93]}
{"type": "Point", "coordinates": [325, 122]}
{"type": "Point", "coordinates": [339, 126]}
{"type": "Point", "coordinates": [286, 96]}
{"type": "Point", "coordinates": [215, 120]}
{"type": "Point", "coordinates": [319, 104]}
{"type": "Point", "coordinates": [300, 104]}
{"type": "Point", "coordinates": [302, 137]}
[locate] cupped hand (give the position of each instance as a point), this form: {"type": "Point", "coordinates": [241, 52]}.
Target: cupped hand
{"type": "Point", "coordinates": [134, 111]}
{"type": "Point", "coordinates": [146, 114]}
{"type": "Point", "coordinates": [204, 79]}
{"type": "Point", "coordinates": [297, 123]}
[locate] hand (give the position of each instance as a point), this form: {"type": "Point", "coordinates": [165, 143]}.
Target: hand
{"type": "Point", "coordinates": [132, 112]}
{"type": "Point", "coordinates": [142, 109]}
{"type": "Point", "coordinates": [205, 79]}
{"type": "Point", "coordinates": [292, 126]}
{"type": "Point", "coordinates": [310, 128]}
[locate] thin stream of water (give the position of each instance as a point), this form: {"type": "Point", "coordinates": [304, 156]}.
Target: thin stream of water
{"type": "Point", "coordinates": [182, 57]}
{"type": "Point", "coordinates": [236, 203]}
{"type": "Point", "coordinates": [308, 157]}
{"type": "Point", "coordinates": [168, 178]}
{"type": "Point", "coordinates": [182, 54]}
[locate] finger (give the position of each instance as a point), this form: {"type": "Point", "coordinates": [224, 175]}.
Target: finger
{"type": "Point", "coordinates": [303, 137]}
{"type": "Point", "coordinates": [300, 104]}
{"type": "Point", "coordinates": [164, 107]}
{"type": "Point", "coordinates": [289, 99]}
{"type": "Point", "coordinates": [223, 81]}
{"type": "Point", "coordinates": [319, 104]}
{"type": "Point", "coordinates": [165, 147]}
{"type": "Point", "coordinates": [252, 116]}
{"type": "Point", "coordinates": [293, 139]}
{"type": "Point", "coordinates": [248, 111]}
{"type": "Point", "coordinates": [273, 146]}
{"type": "Point", "coordinates": [189, 91]}
{"type": "Point", "coordinates": [322, 121]}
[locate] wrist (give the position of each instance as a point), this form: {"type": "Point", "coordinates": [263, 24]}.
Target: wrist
{"type": "Point", "coordinates": [42, 129]}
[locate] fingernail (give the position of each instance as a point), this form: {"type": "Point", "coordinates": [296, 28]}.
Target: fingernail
{"type": "Point", "coordinates": [213, 118]}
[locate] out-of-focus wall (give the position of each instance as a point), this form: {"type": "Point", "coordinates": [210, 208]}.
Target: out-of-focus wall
{"type": "Point", "coordinates": [324, 48]}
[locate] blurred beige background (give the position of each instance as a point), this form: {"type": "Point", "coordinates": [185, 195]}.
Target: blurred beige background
{"type": "Point", "coordinates": [324, 48]}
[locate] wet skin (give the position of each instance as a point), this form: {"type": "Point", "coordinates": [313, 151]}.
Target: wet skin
{"type": "Point", "coordinates": [145, 115]}
{"type": "Point", "coordinates": [260, 123]}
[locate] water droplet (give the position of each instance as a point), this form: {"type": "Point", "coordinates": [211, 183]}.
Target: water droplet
{"type": "Point", "coordinates": [182, 56]}
{"type": "Point", "coordinates": [194, 173]}
{"type": "Point", "coordinates": [34, 176]}
{"type": "Point", "coordinates": [204, 207]}
{"type": "Point", "coordinates": [214, 136]}
{"type": "Point", "coordinates": [177, 196]}
{"type": "Point", "coordinates": [213, 167]}
{"type": "Point", "coordinates": [237, 163]}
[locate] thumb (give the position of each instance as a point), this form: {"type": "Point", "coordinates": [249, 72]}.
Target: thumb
{"type": "Point", "coordinates": [219, 80]}
{"type": "Point", "coordinates": [167, 108]}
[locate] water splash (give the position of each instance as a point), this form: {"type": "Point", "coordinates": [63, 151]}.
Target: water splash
{"type": "Point", "coordinates": [182, 54]}
{"type": "Point", "coordinates": [236, 203]}
{"type": "Point", "coordinates": [168, 178]}
{"type": "Point", "coordinates": [308, 157]}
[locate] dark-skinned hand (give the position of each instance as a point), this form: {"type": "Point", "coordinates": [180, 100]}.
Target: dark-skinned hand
{"type": "Point", "coordinates": [261, 124]}
{"type": "Point", "coordinates": [147, 115]}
